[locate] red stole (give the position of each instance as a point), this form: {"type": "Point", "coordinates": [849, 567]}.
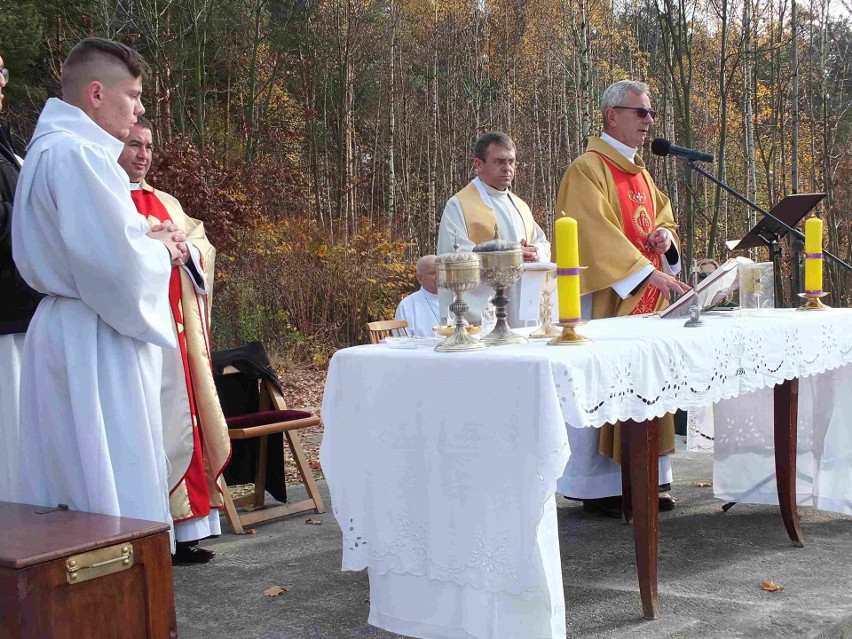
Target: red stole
{"type": "Point", "coordinates": [148, 205]}
{"type": "Point", "coordinates": [639, 220]}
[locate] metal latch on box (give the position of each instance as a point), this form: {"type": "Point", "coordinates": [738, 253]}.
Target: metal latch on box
{"type": "Point", "coordinates": [97, 563]}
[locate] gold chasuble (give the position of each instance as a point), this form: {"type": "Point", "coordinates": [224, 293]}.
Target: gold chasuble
{"type": "Point", "coordinates": [481, 220]}
{"type": "Point", "coordinates": [198, 448]}
{"type": "Point", "coordinates": [616, 205]}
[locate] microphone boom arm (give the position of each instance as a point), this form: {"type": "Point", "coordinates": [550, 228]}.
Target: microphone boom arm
{"type": "Point", "coordinates": [794, 231]}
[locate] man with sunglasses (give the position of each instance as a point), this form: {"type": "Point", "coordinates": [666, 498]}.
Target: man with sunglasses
{"type": "Point", "coordinates": [19, 304]}
{"type": "Point", "coordinates": [628, 240]}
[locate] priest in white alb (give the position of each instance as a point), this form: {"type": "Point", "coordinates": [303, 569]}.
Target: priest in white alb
{"type": "Point", "coordinates": [195, 433]}
{"type": "Point", "coordinates": [90, 421]}
{"type": "Point", "coordinates": [420, 309]}
{"type": "Point", "coordinates": [486, 207]}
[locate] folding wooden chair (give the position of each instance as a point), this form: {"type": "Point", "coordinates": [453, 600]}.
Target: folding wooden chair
{"type": "Point", "coordinates": [272, 417]}
{"type": "Point", "coordinates": [387, 328]}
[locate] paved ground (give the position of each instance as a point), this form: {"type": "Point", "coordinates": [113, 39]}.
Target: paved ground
{"type": "Point", "coordinates": [711, 567]}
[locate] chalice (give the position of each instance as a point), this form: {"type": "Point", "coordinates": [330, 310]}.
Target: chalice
{"type": "Point", "coordinates": [458, 272]}
{"type": "Point", "coordinates": [502, 265]}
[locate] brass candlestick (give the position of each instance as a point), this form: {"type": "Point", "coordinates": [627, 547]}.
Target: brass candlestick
{"type": "Point", "coordinates": [569, 336]}
{"type": "Point", "coordinates": [813, 302]}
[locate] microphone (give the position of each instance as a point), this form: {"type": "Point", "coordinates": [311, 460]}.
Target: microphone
{"type": "Point", "coordinates": [661, 146]}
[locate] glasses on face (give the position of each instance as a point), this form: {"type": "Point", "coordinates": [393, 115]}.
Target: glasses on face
{"type": "Point", "coordinates": [5, 73]}
{"type": "Point", "coordinates": [702, 275]}
{"type": "Point", "coordinates": [641, 112]}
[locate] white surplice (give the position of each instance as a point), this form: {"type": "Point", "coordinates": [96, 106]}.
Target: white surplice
{"type": "Point", "coordinates": [511, 229]}
{"type": "Point", "coordinates": [420, 310]}
{"type": "Point", "coordinates": [90, 420]}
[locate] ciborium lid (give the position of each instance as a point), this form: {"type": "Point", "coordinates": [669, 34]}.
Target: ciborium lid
{"type": "Point", "coordinates": [495, 245]}
{"type": "Point", "coordinates": [457, 260]}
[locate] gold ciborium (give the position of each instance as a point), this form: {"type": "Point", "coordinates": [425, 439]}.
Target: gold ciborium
{"type": "Point", "coordinates": [458, 272]}
{"type": "Point", "coordinates": [502, 265]}
{"type": "Point", "coordinates": [447, 329]}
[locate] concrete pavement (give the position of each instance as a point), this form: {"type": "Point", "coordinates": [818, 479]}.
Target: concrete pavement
{"type": "Point", "coordinates": [711, 566]}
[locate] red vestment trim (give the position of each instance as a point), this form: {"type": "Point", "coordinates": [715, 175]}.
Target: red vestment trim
{"type": "Point", "coordinates": [639, 220]}
{"type": "Point", "coordinates": [149, 205]}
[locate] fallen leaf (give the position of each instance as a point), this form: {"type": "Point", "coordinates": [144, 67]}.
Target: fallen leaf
{"type": "Point", "coordinates": [315, 465]}
{"type": "Point", "coordinates": [274, 591]}
{"type": "Point", "coordinates": [313, 522]}
{"type": "Point", "coordinates": [703, 484]}
{"type": "Point", "coordinates": [250, 531]}
{"type": "Point", "coordinates": [771, 586]}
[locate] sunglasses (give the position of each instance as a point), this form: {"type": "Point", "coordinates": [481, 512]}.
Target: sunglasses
{"type": "Point", "coordinates": [641, 112]}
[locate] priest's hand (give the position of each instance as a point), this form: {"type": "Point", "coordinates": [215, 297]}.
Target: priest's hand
{"type": "Point", "coordinates": [530, 252]}
{"type": "Point", "coordinates": [177, 249]}
{"type": "Point", "coordinates": [177, 236]}
{"type": "Point", "coordinates": [660, 241]}
{"type": "Point", "coordinates": [667, 284]}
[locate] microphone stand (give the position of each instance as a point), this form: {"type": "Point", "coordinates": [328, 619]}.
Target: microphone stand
{"type": "Point", "coordinates": [773, 242]}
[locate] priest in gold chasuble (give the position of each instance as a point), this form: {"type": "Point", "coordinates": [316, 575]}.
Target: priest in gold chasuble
{"type": "Point", "coordinates": [484, 205]}
{"type": "Point", "coordinates": [195, 434]}
{"type": "Point", "coordinates": [628, 240]}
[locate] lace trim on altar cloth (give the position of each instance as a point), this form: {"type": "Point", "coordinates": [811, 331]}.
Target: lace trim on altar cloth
{"type": "Point", "coordinates": [737, 361]}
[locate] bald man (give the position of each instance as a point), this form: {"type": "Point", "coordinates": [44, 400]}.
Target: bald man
{"type": "Point", "coordinates": [420, 309]}
{"type": "Point", "coordinates": [91, 433]}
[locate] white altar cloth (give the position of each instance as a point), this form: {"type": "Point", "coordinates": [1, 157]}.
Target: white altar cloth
{"type": "Point", "coordinates": [442, 466]}
{"type": "Point", "coordinates": [442, 477]}
{"type": "Point", "coordinates": [644, 367]}
{"type": "Point", "coordinates": [744, 458]}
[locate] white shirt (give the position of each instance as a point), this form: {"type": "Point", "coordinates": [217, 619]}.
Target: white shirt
{"type": "Point", "coordinates": [420, 310]}
{"type": "Point", "coordinates": [511, 229]}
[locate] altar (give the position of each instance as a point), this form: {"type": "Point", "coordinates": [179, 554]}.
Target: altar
{"type": "Point", "coordinates": [442, 467]}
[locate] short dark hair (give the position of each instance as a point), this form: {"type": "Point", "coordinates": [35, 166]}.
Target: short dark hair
{"type": "Point", "coordinates": [480, 147]}
{"type": "Point", "coordinates": [144, 123]}
{"type": "Point", "coordinates": [92, 48]}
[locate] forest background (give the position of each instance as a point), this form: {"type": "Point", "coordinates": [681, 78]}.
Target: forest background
{"type": "Point", "coordinates": [319, 139]}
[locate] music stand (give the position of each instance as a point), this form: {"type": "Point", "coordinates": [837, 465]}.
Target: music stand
{"type": "Point", "coordinates": [769, 231]}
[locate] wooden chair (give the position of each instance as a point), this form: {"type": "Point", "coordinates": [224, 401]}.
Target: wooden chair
{"type": "Point", "coordinates": [273, 417]}
{"type": "Point", "coordinates": [387, 328]}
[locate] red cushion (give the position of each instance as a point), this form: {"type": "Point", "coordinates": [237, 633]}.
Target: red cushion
{"type": "Point", "coordinates": [267, 417]}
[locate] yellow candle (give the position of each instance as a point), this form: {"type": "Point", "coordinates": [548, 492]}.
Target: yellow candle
{"type": "Point", "coordinates": [567, 269]}
{"type": "Point", "coordinates": [813, 255]}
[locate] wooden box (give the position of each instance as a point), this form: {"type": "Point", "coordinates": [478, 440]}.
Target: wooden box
{"type": "Point", "coordinates": [73, 575]}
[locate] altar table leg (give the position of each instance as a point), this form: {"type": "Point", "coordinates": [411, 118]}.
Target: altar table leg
{"type": "Point", "coordinates": [626, 484]}
{"type": "Point", "coordinates": [786, 414]}
{"type": "Point", "coordinates": [640, 464]}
